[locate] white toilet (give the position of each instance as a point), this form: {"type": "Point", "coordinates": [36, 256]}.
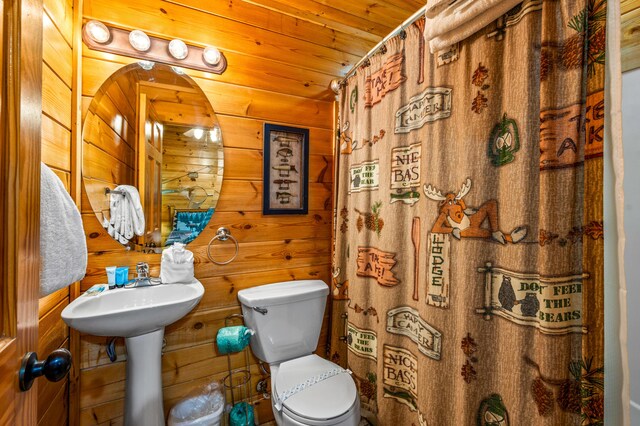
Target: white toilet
{"type": "Point", "coordinates": [306, 389]}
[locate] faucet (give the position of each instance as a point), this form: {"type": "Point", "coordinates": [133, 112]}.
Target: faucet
{"type": "Point", "coordinates": [143, 280]}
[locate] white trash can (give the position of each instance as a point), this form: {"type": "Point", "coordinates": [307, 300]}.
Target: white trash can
{"type": "Point", "coordinates": [203, 409]}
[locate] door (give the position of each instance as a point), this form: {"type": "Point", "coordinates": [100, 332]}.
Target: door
{"type": "Point", "coordinates": [149, 169]}
{"type": "Point", "coordinates": [20, 120]}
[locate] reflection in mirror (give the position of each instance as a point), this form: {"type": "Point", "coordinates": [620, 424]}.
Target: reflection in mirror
{"type": "Point", "coordinates": [151, 128]}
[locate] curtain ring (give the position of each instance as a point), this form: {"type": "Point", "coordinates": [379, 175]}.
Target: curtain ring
{"type": "Point", "coordinates": [222, 234]}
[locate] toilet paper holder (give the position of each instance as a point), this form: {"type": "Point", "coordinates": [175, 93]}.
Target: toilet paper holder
{"type": "Point", "coordinates": [242, 381]}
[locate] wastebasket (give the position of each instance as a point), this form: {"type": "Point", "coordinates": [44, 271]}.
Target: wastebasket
{"type": "Point", "coordinates": [202, 408]}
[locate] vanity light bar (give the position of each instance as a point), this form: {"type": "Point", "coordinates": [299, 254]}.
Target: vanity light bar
{"type": "Point", "coordinates": [136, 44]}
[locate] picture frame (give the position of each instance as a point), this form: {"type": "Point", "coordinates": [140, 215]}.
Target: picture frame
{"type": "Point", "coordinates": [286, 170]}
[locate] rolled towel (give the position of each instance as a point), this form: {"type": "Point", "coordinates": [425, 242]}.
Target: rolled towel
{"type": "Point", "coordinates": [233, 339]}
{"type": "Point", "coordinates": [63, 247]}
{"type": "Point", "coordinates": [450, 22]}
{"type": "Point", "coordinates": [242, 414]}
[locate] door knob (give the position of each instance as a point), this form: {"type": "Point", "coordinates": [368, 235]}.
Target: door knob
{"type": "Point", "coordinates": [54, 368]}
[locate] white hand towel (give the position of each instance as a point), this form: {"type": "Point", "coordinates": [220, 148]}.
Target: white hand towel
{"type": "Point", "coordinates": [126, 214]}
{"type": "Point", "coordinates": [135, 215]}
{"type": "Point", "coordinates": [176, 265]}
{"type": "Point", "coordinates": [450, 22]}
{"type": "Point", "coordinates": [63, 248]}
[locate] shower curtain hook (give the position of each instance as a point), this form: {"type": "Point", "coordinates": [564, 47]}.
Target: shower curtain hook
{"type": "Point", "coordinates": [403, 34]}
{"type": "Point", "coordinates": [336, 85]}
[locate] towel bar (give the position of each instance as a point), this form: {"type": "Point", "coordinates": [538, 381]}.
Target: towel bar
{"type": "Point", "coordinates": [108, 191]}
{"type": "Point", "coordinates": [223, 234]}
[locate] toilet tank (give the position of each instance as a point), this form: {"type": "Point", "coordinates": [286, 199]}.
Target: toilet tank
{"type": "Point", "coordinates": [290, 325]}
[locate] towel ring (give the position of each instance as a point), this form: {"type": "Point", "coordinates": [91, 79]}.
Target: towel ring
{"type": "Point", "coordinates": [222, 234]}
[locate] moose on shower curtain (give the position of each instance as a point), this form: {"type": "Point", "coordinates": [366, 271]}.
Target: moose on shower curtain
{"type": "Point", "coordinates": [468, 261]}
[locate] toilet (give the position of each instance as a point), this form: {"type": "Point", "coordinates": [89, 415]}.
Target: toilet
{"type": "Point", "coordinates": [306, 389]}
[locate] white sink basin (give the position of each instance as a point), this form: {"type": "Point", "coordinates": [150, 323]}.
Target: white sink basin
{"type": "Point", "coordinates": [139, 315]}
{"type": "Point", "coordinates": [129, 312]}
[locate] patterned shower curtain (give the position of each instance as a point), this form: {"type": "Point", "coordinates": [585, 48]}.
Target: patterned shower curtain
{"type": "Point", "coordinates": [468, 260]}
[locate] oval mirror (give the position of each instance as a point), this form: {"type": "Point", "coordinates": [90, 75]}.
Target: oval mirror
{"type": "Point", "coordinates": [150, 132]}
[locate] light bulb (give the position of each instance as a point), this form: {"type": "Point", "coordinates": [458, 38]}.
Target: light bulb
{"type": "Point", "coordinates": [177, 70]}
{"type": "Point", "coordinates": [215, 134]}
{"type": "Point", "coordinates": [97, 31]}
{"type": "Point", "coordinates": [178, 49]}
{"type": "Point", "coordinates": [198, 133]}
{"type": "Point", "coordinates": [146, 65]}
{"type": "Point", "coordinates": [211, 55]}
{"type": "Point", "coordinates": [139, 40]}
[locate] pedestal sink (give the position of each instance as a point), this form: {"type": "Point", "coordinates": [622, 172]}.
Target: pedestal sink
{"type": "Point", "coordinates": [139, 315]}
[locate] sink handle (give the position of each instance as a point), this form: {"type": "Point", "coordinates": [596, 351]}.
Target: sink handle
{"type": "Point", "coordinates": [142, 268]}
{"type": "Point", "coordinates": [262, 311]}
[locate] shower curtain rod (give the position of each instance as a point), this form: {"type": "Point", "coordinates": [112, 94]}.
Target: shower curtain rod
{"type": "Point", "coordinates": [393, 33]}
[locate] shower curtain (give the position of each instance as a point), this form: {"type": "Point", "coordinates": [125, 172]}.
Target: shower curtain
{"type": "Point", "coordinates": [468, 244]}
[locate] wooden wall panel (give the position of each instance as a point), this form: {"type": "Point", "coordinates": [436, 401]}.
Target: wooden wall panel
{"type": "Point", "coordinates": [260, 86]}
{"type": "Point", "coordinates": [630, 37]}
{"type": "Point", "coordinates": [53, 399]}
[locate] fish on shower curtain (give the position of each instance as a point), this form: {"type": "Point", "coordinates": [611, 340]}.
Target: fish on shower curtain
{"type": "Point", "coordinates": [468, 259]}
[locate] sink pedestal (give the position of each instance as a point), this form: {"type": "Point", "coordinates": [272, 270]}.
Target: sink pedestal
{"type": "Point", "coordinates": [143, 397]}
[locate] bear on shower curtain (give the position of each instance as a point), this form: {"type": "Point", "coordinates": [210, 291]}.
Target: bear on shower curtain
{"type": "Point", "coordinates": [468, 261]}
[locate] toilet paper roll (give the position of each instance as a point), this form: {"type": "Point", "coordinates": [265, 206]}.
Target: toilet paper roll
{"type": "Point", "coordinates": [241, 415]}
{"type": "Point", "coordinates": [233, 339]}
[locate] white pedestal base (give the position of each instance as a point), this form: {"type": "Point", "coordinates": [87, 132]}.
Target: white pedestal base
{"type": "Point", "coordinates": [143, 396]}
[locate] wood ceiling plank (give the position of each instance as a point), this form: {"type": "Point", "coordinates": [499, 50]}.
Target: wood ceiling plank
{"type": "Point", "coordinates": [376, 11]}
{"type": "Point", "coordinates": [283, 24]}
{"type": "Point", "coordinates": [410, 6]}
{"type": "Point", "coordinates": [171, 21]}
{"type": "Point", "coordinates": [313, 12]}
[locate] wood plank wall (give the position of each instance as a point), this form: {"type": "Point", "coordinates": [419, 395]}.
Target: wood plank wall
{"type": "Point", "coordinates": [264, 83]}
{"type": "Point", "coordinates": [109, 144]}
{"type": "Point", "coordinates": [57, 20]}
{"type": "Point", "coordinates": [630, 37]}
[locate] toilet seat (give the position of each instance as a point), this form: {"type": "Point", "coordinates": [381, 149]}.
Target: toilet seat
{"type": "Point", "coordinates": [325, 402]}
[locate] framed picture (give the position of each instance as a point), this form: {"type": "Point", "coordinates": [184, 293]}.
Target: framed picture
{"type": "Point", "coordinates": [286, 170]}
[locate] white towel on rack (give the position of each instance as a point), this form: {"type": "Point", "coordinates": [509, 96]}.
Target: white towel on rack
{"type": "Point", "coordinates": [126, 214]}
{"type": "Point", "coordinates": [448, 22]}
{"type": "Point", "coordinates": [63, 247]}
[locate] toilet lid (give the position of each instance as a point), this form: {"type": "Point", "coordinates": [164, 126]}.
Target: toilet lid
{"type": "Point", "coordinates": [327, 399]}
